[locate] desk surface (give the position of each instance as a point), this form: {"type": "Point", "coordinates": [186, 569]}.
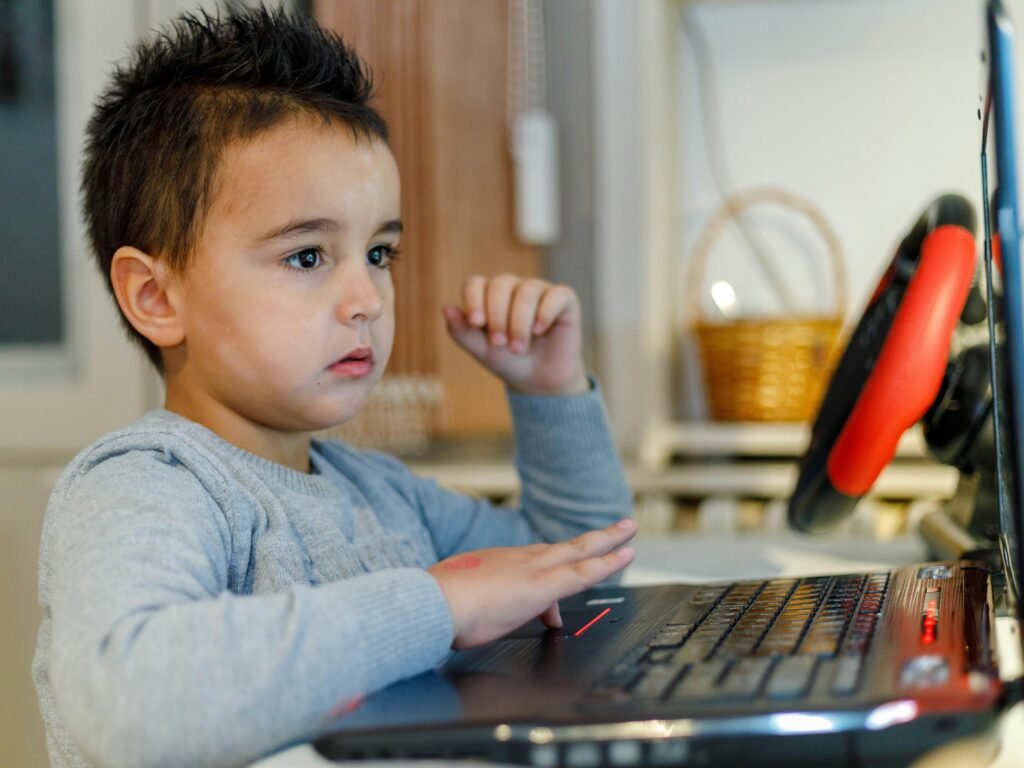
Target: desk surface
{"type": "Point", "coordinates": [683, 557]}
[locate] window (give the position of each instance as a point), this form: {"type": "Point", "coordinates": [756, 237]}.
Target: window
{"type": "Point", "coordinates": [67, 373]}
{"type": "Point", "coordinates": [31, 303]}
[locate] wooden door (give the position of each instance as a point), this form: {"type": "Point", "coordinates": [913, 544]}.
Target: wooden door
{"type": "Point", "coordinates": [439, 66]}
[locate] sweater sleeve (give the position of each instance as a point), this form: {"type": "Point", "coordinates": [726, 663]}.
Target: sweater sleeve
{"type": "Point", "coordinates": [154, 662]}
{"type": "Point", "coordinates": [571, 481]}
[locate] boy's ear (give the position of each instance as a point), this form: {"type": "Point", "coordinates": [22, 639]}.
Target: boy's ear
{"type": "Point", "coordinates": [144, 287]}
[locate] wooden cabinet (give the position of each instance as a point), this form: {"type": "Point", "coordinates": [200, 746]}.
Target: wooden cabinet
{"type": "Point", "coordinates": [439, 66]}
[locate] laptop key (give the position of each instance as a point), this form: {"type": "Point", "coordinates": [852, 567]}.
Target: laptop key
{"type": "Point", "coordinates": [791, 677]}
{"type": "Point", "coordinates": [671, 637]}
{"type": "Point", "coordinates": [847, 677]}
{"type": "Point", "coordinates": [700, 681]}
{"type": "Point", "coordinates": [707, 595]}
{"type": "Point", "coordinates": [613, 687]}
{"type": "Point", "coordinates": [655, 683]}
{"type": "Point", "coordinates": [745, 677]}
{"type": "Point", "coordinates": [696, 649]}
{"type": "Point", "coordinates": [660, 656]}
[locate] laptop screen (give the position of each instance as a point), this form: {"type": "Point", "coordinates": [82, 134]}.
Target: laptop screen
{"type": "Point", "coordinates": [999, 190]}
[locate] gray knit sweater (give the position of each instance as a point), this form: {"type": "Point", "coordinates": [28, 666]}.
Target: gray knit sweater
{"type": "Point", "coordinates": [205, 606]}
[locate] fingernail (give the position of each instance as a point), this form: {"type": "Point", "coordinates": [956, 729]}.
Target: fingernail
{"type": "Point", "coordinates": [498, 339]}
{"type": "Point", "coordinates": [476, 317]}
{"type": "Point", "coordinates": [517, 345]}
{"type": "Point", "coordinates": [624, 553]}
{"type": "Point", "coordinates": [627, 524]}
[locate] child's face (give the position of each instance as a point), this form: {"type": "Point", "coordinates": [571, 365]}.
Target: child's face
{"type": "Point", "coordinates": [288, 304]}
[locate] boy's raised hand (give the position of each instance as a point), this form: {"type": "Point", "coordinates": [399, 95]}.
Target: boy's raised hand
{"type": "Point", "coordinates": [524, 330]}
{"type": "Point", "coordinates": [492, 591]}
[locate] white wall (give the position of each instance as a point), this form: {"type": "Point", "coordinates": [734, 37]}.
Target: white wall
{"type": "Point", "coordinates": [865, 107]}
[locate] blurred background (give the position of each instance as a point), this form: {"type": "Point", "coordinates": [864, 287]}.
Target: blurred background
{"type": "Point", "coordinates": [721, 181]}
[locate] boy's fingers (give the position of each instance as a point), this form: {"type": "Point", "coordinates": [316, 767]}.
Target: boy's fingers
{"type": "Point", "coordinates": [571, 578]}
{"type": "Point", "coordinates": [552, 617]}
{"type": "Point", "coordinates": [522, 313]}
{"type": "Point", "coordinates": [471, 339]}
{"type": "Point", "coordinates": [498, 296]}
{"type": "Point", "coordinates": [473, 300]}
{"type": "Point", "coordinates": [588, 545]}
{"type": "Point", "coordinates": [555, 301]}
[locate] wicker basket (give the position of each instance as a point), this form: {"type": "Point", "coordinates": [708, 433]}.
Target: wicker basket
{"type": "Point", "coordinates": [766, 369]}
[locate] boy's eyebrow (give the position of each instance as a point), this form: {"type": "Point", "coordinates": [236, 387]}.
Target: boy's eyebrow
{"type": "Point", "coordinates": [304, 226]}
{"type": "Point", "coordinates": [393, 227]}
{"type": "Point", "coordinates": [300, 227]}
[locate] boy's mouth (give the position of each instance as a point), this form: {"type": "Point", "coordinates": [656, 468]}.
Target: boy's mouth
{"type": "Point", "coordinates": [355, 365]}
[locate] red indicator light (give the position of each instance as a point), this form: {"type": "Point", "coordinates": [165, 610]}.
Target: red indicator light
{"type": "Point", "coordinates": [930, 622]}
{"type": "Point", "coordinates": [928, 635]}
{"type": "Point", "coordinates": [592, 622]}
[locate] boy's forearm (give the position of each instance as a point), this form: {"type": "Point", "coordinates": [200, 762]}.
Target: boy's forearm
{"type": "Point", "coordinates": [572, 481]}
{"type": "Point", "coordinates": [226, 680]}
{"type": "Point", "coordinates": [572, 478]}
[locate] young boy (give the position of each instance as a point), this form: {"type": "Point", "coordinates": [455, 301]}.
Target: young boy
{"type": "Point", "coordinates": [215, 583]}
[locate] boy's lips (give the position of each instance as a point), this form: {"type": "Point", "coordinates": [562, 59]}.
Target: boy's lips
{"type": "Point", "coordinates": [355, 365]}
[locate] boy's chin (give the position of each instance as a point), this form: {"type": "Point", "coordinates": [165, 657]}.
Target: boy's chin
{"type": "Point", "coordinates": [338, 416]}
{"type": "Point", "coordinates": [318, 411]}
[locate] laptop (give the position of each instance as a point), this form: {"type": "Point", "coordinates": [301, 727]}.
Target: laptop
{"type": "Point", "coordinates": [872, 668]}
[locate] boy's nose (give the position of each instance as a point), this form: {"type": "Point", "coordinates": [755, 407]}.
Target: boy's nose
{"type": "Point", "coordinates": [360, 298]}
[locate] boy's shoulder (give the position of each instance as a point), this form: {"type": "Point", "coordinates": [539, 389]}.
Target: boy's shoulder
{"type": "Point", "coordinates": [156, 429]}
{"type": "Point", "coordinates": [159, 436]}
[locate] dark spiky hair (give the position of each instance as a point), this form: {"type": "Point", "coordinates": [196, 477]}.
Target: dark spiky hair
{"type": "Point", "coordinates": [157, 133]}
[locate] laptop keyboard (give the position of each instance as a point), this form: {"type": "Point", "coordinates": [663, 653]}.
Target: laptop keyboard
{"type": "Point", "coordinates": [754, 640]}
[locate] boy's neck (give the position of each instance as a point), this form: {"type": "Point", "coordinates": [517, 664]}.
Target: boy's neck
{"type": "Point", "coordinates": [290, 449]}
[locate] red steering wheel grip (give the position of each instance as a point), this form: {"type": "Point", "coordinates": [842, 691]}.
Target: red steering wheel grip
{"type": "Point", "coordinates": [908, 373]}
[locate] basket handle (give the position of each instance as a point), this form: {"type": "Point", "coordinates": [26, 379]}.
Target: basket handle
{"type": "Point", "coordinates": [739, 202]}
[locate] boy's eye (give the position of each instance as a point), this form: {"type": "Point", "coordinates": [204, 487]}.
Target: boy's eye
{"type": "Point", "coordinates": [381, 256]}
{"type": "Point", "coordinates": [307, 258]}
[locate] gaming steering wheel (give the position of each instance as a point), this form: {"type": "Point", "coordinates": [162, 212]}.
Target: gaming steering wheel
{"type": "Point", "coordinates": [892, 368]}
